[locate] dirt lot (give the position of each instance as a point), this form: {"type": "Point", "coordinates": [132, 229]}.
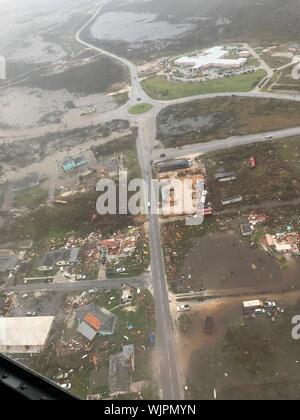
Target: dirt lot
{"type": "Point", "coordinates": [275, 179]}
{"type": "Point", "coordinates": [242, 359]}
{"type": "Point", "coordinates": [286, 82]}
{"type": "Point", "coordinates": [216, 257]}
{"type": "Point", "coordinates": [219, 118]}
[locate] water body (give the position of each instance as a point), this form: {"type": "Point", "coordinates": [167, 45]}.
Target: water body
{"type": "Point", "coordinates": [136, 27]}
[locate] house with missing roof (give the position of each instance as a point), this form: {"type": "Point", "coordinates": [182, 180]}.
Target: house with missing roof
{"type": "Point", "coordinates": [58, 258]}
{"type": "Point", "coordinates": [93, 320]}
{"type": "Point", "coordinates": [121, 367]}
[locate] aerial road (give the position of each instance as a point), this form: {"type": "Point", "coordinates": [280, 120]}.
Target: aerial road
{"type": "Point", "coordinates": [138, 282]}
{"type": "Point", "coordinates": [169, 380]}
{"type": "Point", "coordinates": [228, 143]}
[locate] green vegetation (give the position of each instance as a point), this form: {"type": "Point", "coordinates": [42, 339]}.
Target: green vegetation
{"type": "Point", "coordinates": [160, 88]}
{"type": "Point", "coordinates": [121, 98]}
{"type": "Point", "coordinates": [31, 198]}
{"type": "Point", "coordinates": [125, 145]}
{"type": "Point", "coordinates": [140, 108]}
{"type": "Point", "coordinates": [219, 118]}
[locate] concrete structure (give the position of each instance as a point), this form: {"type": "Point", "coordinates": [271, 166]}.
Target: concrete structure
{"type": "Point", "coordinates": [213, 57]}
{"type": "Point", "coordinates": [121, 367]}
{"type": "Point", "coordinates": [59, 258]}
{"type": "Point", "coordinates": [24, 335]}
{"type": "Point", "coordinates": [119, 375]}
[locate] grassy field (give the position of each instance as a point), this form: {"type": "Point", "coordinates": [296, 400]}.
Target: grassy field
{"type": "Point", "coordinates": [219, 118]}
{"type": "Point", "coordinates": [159, 88]}
{"type": "Point", "coordinates": [121, 98]}
{"type": "Point", "coordinates": [140, 109]}
{"type": "Point", "coordinates": [30, 198]}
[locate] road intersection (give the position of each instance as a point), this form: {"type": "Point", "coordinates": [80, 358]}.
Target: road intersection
{"type": "Point", "coordinates": [169, 378]}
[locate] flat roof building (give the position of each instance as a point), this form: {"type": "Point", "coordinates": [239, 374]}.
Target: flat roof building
{"type": "Point", "coordinates": [59, 258]}
{"type": "Point", "coordinates": [24, 335]}
{"type": "Point", "coordinates": [213, 57]}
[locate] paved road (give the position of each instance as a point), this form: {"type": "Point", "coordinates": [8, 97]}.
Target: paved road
{"type": "Point", "coordinates": [168, 377]}
{"type": "Point", "coordinates": [138, 282]}
{"type": "Point", "coordinates": [228, 143]}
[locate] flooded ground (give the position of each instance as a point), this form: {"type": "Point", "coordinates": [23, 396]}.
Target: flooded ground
{"type": "Point", "coordinates": [18, 19]}
{"type": "Point", "coordinates": [25, 107]}
{"type": "Point", "coordinates": [48, 52]}
{"type": "Point", "coordinates": [84, 76]}
{"type": "Point", "coordinates": [136, 27]}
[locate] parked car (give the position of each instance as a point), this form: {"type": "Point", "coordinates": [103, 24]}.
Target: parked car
{"type": "Point", "coordinates": [120, 270]}
{"type": "Point", "coordinates": [67, 275]}
{"type": "Point", "coordinates": [259, 311]}
{"type": "Point", "coordinates": [66, 386]}
{"type": "Point", "coordinates": [163, 155]}
{"type": "Point", "coordinates": [80, 277]}
{"type": "Point", "coordinates": [183, 308]}
{"type": "Point", "coordinates": [30, 314]}
{"type": "Point", "coordinates": [269, 305]}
